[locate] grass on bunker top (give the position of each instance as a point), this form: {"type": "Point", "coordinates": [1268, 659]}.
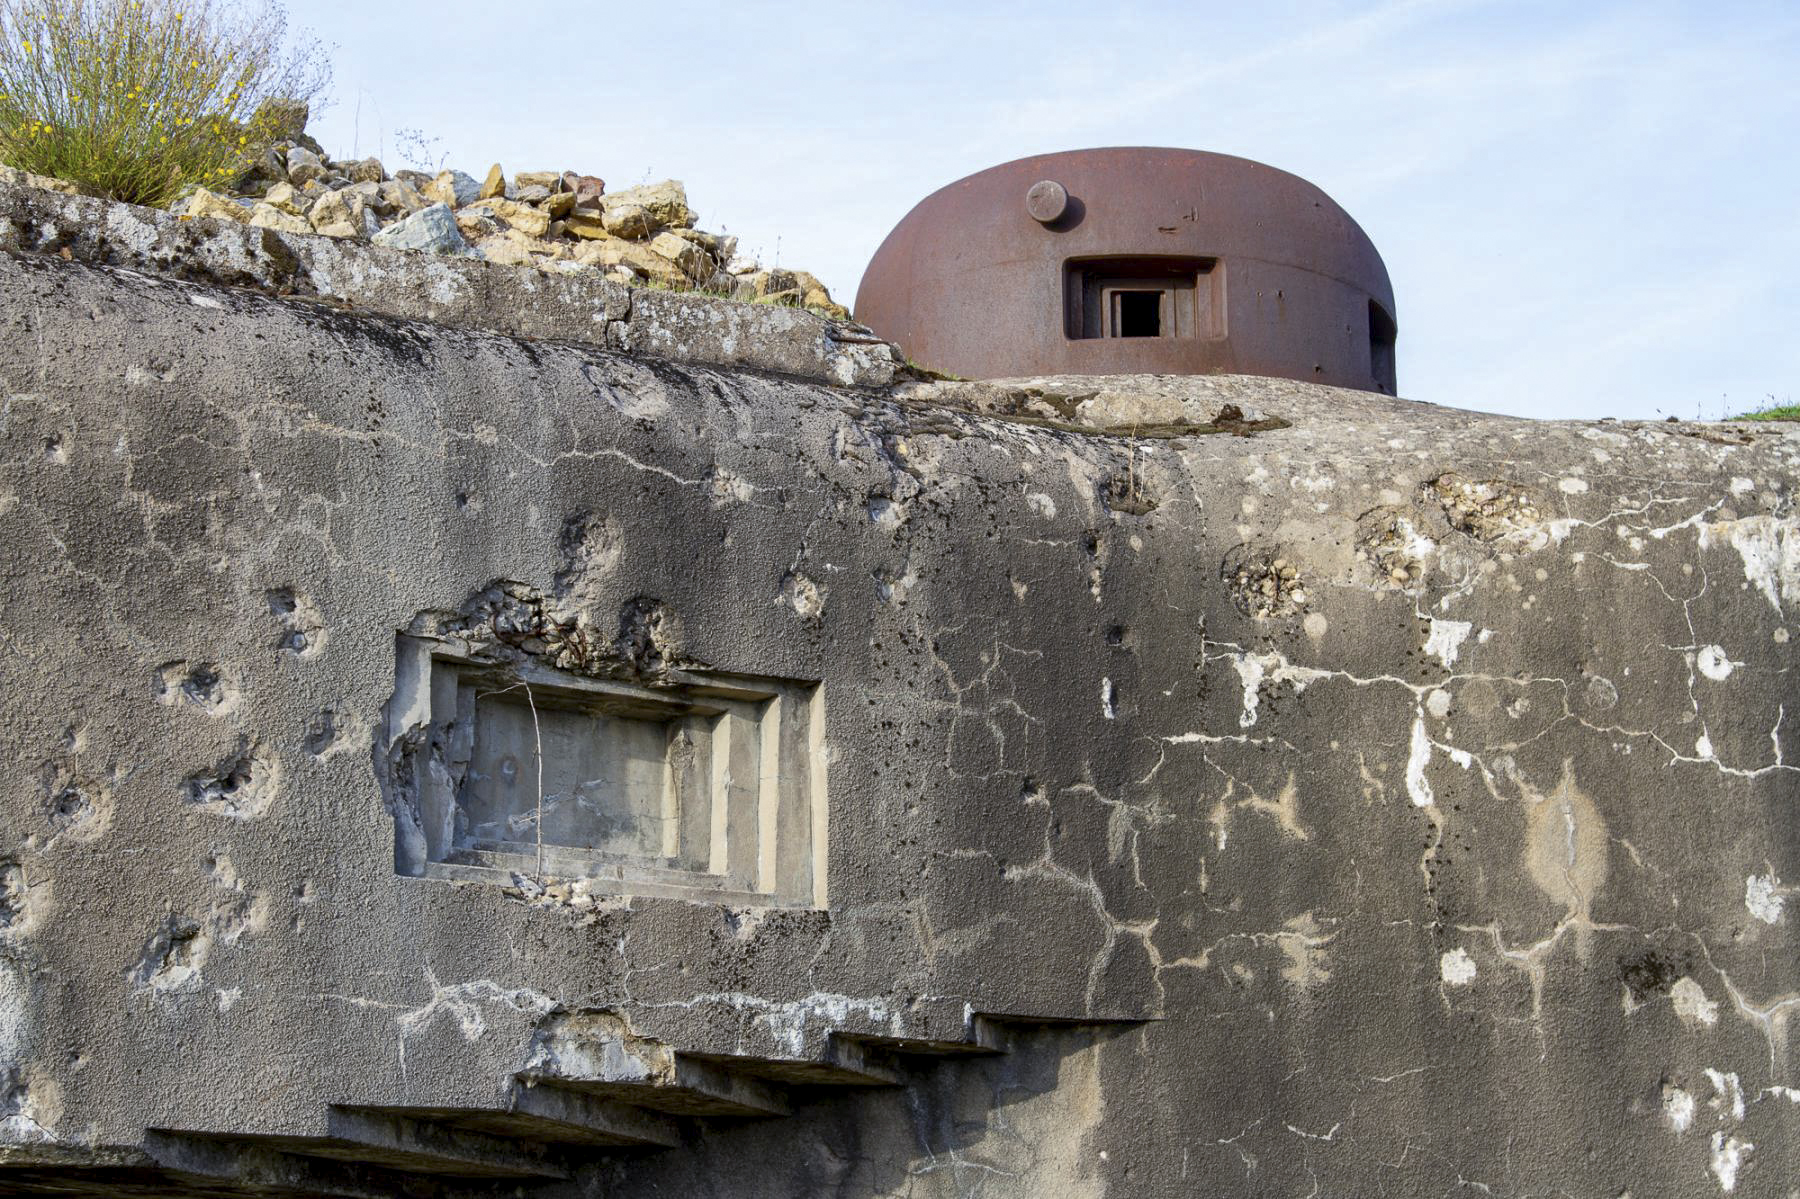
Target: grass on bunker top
{"type": "Point", "coordinates": [1779, 412]}
{"type": "Point", "coordinates": [136, 99]}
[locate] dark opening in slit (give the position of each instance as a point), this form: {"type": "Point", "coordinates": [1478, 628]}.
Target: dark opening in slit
{"type": "Point", "coordinates": [1140, 314]}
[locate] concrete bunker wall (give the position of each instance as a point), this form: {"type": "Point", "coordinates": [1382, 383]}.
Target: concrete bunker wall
{"type": "Point", "coordinates": [1386, 800]}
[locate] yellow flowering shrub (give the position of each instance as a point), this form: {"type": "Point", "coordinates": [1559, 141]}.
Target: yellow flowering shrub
{"type": "Point", "coordinates": [137, 99]}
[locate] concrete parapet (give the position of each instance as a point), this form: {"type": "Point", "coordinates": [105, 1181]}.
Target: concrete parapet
{"type": "Point", "coordinates": [520, 301]}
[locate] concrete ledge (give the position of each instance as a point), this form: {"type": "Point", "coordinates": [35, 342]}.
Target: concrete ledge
{"type": "Point", "coordinates": [521, 301]}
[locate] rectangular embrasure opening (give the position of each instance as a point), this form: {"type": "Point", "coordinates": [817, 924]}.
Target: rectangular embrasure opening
{"type": "Point", "coordinates": [1138, 313]}
{"type": "Point", "coordinates": [709, 788]}
{"type": "Point", "coordinates": [1143, 297]}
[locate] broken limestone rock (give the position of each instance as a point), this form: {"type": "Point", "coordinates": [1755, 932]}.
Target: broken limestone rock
{"type": "Point", "coordinates": [268, 216]}
{"type": "Point", "coordinates": [452, 188]}
{"type": "Point", "coordinates": [530, 221]}
{"type": "Point", "coordinates": [343, 214]}
{"type": "Point", "coordinates": [431, 230]}
{"type": "Point", "coordinates": [638, 211]}
{"type": "Point", "coordinates": [400, 197]}
{"type": "Point", "coordinates": [694, 262]}
{"type": "Point", "coordinates": [203, 203]}
{"type": "Point", "coordinates": [364, 170]}
{"type": "Point", "coordinates": [303, 166]}
{"type": "Point", "coordinates": [545, 215]}
{"type": "Point", "coordinates": [587, 188]}
{"type": "Point", "coordinates": [284, 197]}
{"type": "Point", "coordinates": [581, 225]}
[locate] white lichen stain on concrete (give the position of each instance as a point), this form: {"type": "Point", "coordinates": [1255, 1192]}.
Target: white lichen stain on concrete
{"type": "Point", "coordinates": [1445, 639]}
{"type": "Point", "coordinates": [1677, 1108]}
{"type": "Point", "coordinates": [1457, 968]}
{"type": "Point", "coordinates": [1728, 1157]}
{"type": "Point", "coordinates": [1770, 550]}
{"type": "Point", "coordinates": [1417, 758]}
{"type": "Point", "coordinates": [135, 232]}
{"type": "Point", "coordinates": [1714, 663]}
{"type": "Point", "coordinates": [465, 1004]}
{"type": "Point", "coordinates": [1250, 671]}
{"type": "Point", "coordinates": [787, 1022]}
{"type": "Point", "coordinates": [444, 286]}
{"type": "Point", "coordinates": [1728, 1093]}
{"type": "Point", "coordinates": [728, 487]}
{"type": "Point", "coordinates": [1572, 486]}
{"type": "Point", "coordinates": [1728, 1152]}
{"type": "Point", "coordinates": [886, 514]}
{"type": "Point", "coordinates": [1765, 897]}
{"type": "Point", "coordinates": [1692, 1005]}
{"type": "Point", "coordinates": [1254, 670]}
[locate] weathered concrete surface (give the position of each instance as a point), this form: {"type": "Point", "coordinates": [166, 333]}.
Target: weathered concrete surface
{"type": "Point", "coordinates": [1397, 802]}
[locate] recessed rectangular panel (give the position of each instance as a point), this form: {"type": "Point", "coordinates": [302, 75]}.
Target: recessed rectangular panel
{"type": "Point", "coordinates": [709, 787]}
{"type": "Point", "coordinates": [603, 781]}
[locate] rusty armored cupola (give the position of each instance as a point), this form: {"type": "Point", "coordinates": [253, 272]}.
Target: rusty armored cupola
{"type": "Point", "coordinates": [1135, 260]}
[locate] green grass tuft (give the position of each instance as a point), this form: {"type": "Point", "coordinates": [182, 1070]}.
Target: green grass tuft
{"type": "Point", "coordinates": [1779, 412]}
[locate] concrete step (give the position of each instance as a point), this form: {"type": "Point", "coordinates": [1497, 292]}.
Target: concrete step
{"type": "Point", "coordinates": [540, 1112]}
{"type": "Point", "coordinates": [871, 1063]}
{"type": "Point", "coordinates": [863, 1060]}
{"type": "Point", "coordinates": [397, 1139]}
{"type": "Point", "coordinates": [181, 1165]}
{"type": "Point", "coordinates": [684, 1085]}
{"type": "Point", "coordinates": [595, 1087]}
{"type": "Point", "coordinates": [981, 1037]}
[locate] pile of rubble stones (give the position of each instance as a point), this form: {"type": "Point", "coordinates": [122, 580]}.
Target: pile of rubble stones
{"type": "Point", "coordinates": [552, 220]}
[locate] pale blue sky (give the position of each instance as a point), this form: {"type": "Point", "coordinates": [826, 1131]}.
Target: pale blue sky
{"type": "Point", "coordinates": [1587, 208]}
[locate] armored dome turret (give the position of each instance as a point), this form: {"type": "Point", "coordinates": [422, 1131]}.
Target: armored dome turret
{"type": "Point", "coordinates": [1135, 260]}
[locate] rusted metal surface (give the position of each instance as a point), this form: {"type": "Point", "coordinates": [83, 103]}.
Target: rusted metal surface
{"type": "Point", "coordinates": [1135, 260]}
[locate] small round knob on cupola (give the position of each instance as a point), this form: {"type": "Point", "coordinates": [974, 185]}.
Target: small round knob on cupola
{"type": "Point", "coordinates": [1047, 201]}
